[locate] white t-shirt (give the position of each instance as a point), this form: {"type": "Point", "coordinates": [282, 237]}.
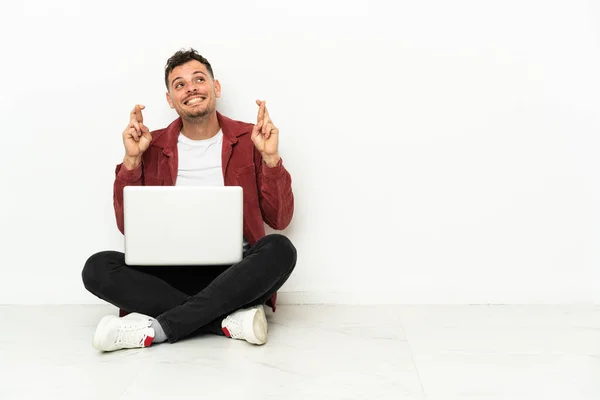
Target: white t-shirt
{"type": "Point", "coordinates": [199, 163]}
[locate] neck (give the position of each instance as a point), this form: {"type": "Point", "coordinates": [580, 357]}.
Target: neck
{"type": "Point", "coordinates": [201, 128]}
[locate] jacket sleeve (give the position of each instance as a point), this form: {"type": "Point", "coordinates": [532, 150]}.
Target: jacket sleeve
{"type": "Point", "coordinates": [275, 194]}
{"type": "Point", "coordinates": [124, 177]}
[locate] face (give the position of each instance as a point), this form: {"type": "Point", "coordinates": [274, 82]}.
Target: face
{"type": "Point", "coordinates": [192, 92]}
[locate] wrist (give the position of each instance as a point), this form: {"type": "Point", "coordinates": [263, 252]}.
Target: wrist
{"type": "Point", "coordinates": [271, 160]}
{"type": "Point", "coordinates": [132, 163]}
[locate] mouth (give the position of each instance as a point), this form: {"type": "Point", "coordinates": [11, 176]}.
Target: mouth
{"type": "Point", "coordinates": [194, 100]}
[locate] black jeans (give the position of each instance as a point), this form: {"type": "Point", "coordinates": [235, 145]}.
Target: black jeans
{"type": "Point", "coordinates": [187, 300]}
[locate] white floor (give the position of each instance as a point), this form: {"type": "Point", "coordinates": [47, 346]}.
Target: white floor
{"type": "Point", "coordinates": [316, 352]}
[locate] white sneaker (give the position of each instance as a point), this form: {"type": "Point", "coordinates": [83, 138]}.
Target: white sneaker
{"type": "Point", "coordinates": [131, 331]}
{"type": "Point", "coordinates": [249, 324]}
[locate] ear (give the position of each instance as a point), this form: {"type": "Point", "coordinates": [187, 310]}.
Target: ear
{"type": "Point", "coordinates": [169, 100]}
{"type": "Point", "coordinates": [218, 88]}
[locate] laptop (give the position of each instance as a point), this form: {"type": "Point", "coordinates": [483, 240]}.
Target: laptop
{"type": "Point", "coordinates": [174, 225]}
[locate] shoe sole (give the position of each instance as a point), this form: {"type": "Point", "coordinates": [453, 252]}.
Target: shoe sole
{"type": "Point", "coordinates": [259, 328]}
{"type": "Point", "coordinates": [101, 332]}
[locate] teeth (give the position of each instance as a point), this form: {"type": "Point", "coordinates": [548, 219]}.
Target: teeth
{"type": "Point", "coordinates": [195, 100]}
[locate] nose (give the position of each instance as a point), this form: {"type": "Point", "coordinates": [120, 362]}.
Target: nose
{"type": "Point", "coordinates": [192, 87]}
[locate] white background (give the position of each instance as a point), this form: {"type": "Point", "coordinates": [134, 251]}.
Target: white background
{"type": "Point", "coordinates": [441, 152]}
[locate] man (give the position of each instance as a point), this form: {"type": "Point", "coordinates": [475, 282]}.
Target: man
{"type": "Point", "coordinates": [201, 147]}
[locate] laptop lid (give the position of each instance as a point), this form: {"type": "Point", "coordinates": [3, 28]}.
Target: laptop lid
{"type": "Point", "coordinates": [173, 225]}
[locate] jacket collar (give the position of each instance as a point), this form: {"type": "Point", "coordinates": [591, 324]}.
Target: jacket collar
{"type": "Point", "coordinates": [167, 138]}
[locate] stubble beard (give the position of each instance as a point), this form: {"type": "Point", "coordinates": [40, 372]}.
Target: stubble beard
{"type": "Point", "coordinates": [198, 116]}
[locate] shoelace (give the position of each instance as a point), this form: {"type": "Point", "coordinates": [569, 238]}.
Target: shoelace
{"type": "Point", "coordinates": [234, 326]}
{"type": "Point", "coordinates": [133, 334]}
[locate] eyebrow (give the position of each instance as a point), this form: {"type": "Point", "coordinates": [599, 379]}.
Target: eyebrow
{"type": "Point", "coordinates": [194, 73]}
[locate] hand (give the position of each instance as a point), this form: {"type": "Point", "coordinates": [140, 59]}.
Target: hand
{"type": "Point", "coordinates": [265, 135]}
{"type": "Point", "coordinates": [136, 137]}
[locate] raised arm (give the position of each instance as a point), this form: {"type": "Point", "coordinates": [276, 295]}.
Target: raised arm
{"type": "Point", "coordinates": [276, 198]}
{"type": "Point", "coordinates": [136, 139]}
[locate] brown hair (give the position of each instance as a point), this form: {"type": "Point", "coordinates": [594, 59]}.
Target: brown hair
{"type": "Point", "coordinates": [182, 57]}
